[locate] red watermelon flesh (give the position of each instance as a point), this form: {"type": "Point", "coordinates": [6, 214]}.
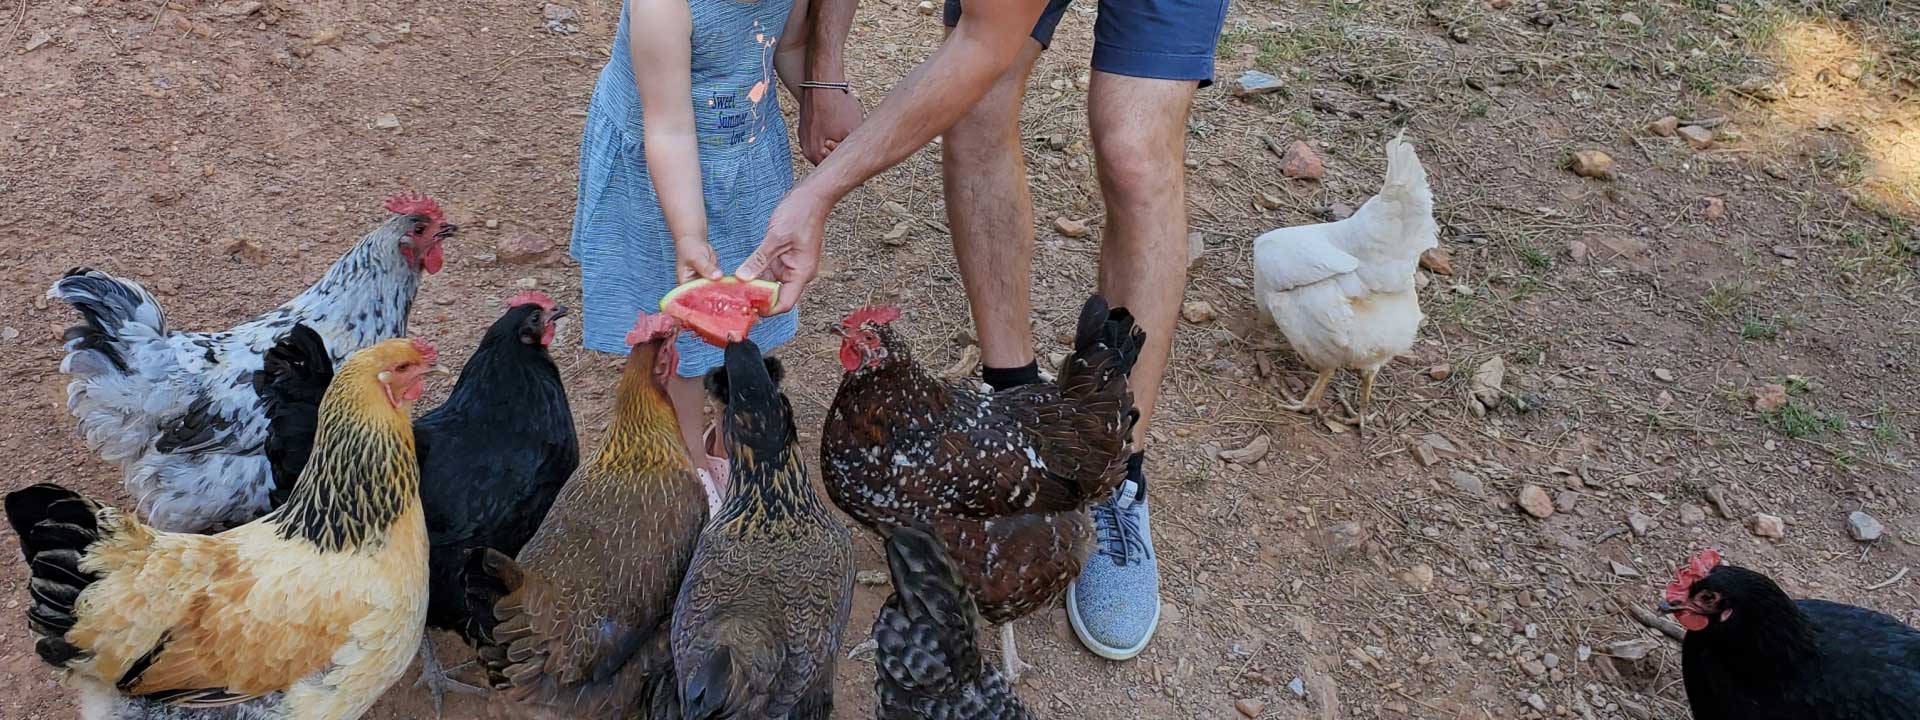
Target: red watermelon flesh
{"type": "Point", "coordinates": [720, 311]}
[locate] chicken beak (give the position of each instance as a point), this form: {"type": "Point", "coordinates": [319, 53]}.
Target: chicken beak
{"type": "Point", "coordinates": [438, 370]}
{"type": "Point", "coordinates": [558, 311]}
{"type": "Point", "coordinates": [1668, 608]}
{"type": "Point", "coordinates": [837, 329]}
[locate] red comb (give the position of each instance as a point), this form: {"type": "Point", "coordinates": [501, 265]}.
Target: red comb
{"type": "Point", "coordinates": [876, 314]}
{"type": "Point", "coordinates": [1698, 567]}
{"type": "Point", "coordinates": [427, 354]}
{"type": "Point", "coordinates": [650, 327]}
{"type": "Point", "coordinates": [530, 297]}
{"type": "Point", "coordinates": [414, 204]}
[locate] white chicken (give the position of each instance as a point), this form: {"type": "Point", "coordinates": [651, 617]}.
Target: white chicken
{"type": "Point", "coordinates": [1343, 292]}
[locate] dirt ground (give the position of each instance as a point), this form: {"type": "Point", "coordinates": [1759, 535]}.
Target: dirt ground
{"type": "Point", "coordinates": [1390, 573]}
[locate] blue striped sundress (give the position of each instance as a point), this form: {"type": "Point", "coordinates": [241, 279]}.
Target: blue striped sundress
{"type": "Point", "coordinates": [620, 235]}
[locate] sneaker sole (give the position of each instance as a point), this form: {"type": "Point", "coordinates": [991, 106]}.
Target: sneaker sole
{"type": "Point", "coordinates": [1102, 649]}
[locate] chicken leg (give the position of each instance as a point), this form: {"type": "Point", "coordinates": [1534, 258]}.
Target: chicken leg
{"type": "Point", "coordinates": [1359, 419]}
{"type": "Point", "coordinates": [1313, 394]}
{"type": "Point", "coordinates": [1009, 658]}
{"type": "Point", "coordinates": [435, 678]}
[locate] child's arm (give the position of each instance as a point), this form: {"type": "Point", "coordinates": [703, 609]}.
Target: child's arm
{"type": "Point", "coordinates": [810, 49]}
{"type": "Point", "coordinates": [659, 33]}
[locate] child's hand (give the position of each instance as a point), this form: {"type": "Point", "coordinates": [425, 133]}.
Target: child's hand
{"type": "Point", "coordinates": [694, 258]}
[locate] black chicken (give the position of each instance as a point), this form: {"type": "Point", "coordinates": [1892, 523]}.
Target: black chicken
{"type": "Point", "coordinates": [927, 665]}
{"type": "Point", "coordinates": [1753, 653]}
{"type": "Point", "coordinates": [492, 457]}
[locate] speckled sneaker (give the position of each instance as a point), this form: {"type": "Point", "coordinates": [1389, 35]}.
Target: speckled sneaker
{"type": "Point", "coordinates": [1115, 604]}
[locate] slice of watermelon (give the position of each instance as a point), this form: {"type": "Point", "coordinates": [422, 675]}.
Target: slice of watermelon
{"type": "Point", "coordinates": [720, 311]}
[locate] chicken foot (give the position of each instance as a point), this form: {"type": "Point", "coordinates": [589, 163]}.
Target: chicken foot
{"type": "Point", "coordinates": [1359, 419]}
{"type": "Point", "coordinates": [435, 678]}
{"type": "Point", "coordinates": [1314, 394]}
{"type": "Point", "coordinates": [1009, 658]}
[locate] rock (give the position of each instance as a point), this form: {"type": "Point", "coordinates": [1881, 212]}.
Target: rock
{"type": "Point", "coordinates": [492, 223]}
{"type": "Point", "coordinates": [561, 20]}
{"type": "Point", "coordinates": [1196, 248]}
{"type": "Point", "coordinates": [1664, 127]}
{"type": "Point", "coordinates": [1250, 707]}
{"type": "Point", "coordinates": [527, 283]}
{"type": "Point", "coordinates": [1423, 455]}
{"type": "Point", "coordinates": [1566, 501]}
{"type": "Point", "coordinates": [1487, 382]}
{"type": "Point", "coordinates": [926, 7]}
{"type": "Point", "coordinates": [1254, 82]}
{"type": "Point", "coordinates": [1269, 201]}
{"type": "Point", "coordinates": [1663, 375]}
{"type": "Point", "coordinates": [1787, 252]}
{"type": "Point", "coordinates": [1632, 649]}
{"type": "Point", "coordinates": [1767, 526]}
{"type": "Point", "coordinates": [1440, 372]}
{"type": "Point", "coordinates": [1469, 483]}
{"type": "Point", "coordinates": [1437, 260]}
{"type": "Point", "coordinates": [1770, 397]}
{"type": "Point", "coordinates": [1301, 162]}
{"type": "Point", "coordinates": [871, 578]}
{"type": "Point", "coordinates": [522, 249]}
{"type": "Point", "coordinates": [9, 332]}
{"type": "Point", "coordinates": [1538, 703]}
{"type": "Point", "coordinates": [1860, 525]}
{"type": "Point", "coordinates": [39, 40]}
{"type": "Point", "coordinates": [898, 235]}
{"type": "Point", "coordinates": [1632, 20]}
{"type": "Point", "coordinates": [1623, 570]}
{"type": "Point", "coordinates": [1535, 501]}
{"type": "Point", "coordinates": [1346, 537]}
{"type": "Point", "coordinates": [1059, 141]}
{"type": "Point", "coordinates": [1691, 514]}
{"type": "Point", "coordinates": [324, 36]}
{"type": "Point", "coordinates": [248, 250]}
{"type": "Point", "coordinates": [1639, 523]}
{"type": "Point", "coordinates": [1069, 227]}
{"type": "Point", "coordinates": [1337, 211]}
{"type": "Point", "coordinates": [1713, 207]}
{"type": "Point", "coordinates": [1534, 668]}
{"type": "Point", "coordinates": [1197, 311]}
{"type": "Point", "coordinates": [1298, 686]}
{"type": "Point", "coordinates": [386, 121]}
{"type": "Point", "coordinates": [1251, 453]}
{"type": "Point", "coordinates": [1700, 138]}
{"type": "Point", "coordinates": [1577, 250]}
{"type": "Point", "coordinates": [1419, 577]}
{"type": "Point", "coordinates": [1592, 164]}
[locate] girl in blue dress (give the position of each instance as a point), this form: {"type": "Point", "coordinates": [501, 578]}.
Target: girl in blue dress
{"type": "Point", "coordinates": [682, 162]}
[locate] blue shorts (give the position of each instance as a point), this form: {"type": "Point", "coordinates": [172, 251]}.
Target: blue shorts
{"type": "Point", "coordinates": [1161, 39]}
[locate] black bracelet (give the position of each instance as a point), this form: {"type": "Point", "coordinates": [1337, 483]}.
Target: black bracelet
{"type": "Point", "coordinates": [821, 85]}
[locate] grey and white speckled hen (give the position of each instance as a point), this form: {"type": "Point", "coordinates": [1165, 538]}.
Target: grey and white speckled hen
{"type": "Point", "coordinates": [756, 631]}
{"type": "Point", "coordinates": [927, 664]}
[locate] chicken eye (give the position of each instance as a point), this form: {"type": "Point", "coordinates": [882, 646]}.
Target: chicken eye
{"type": "Point", "coordinates": [1709, 597]}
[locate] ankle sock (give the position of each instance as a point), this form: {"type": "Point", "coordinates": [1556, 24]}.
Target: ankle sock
{"type": "Point", "coordinates": [1013, 377]}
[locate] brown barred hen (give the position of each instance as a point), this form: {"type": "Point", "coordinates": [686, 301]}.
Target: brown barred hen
{"type": "Point", "coordinates": [756, 631]}
{"type": "Point", "coordinates": [926, 664]}
{"type": "Point", "coordinates": [577, 625]}
{"type": "Point", "coordinates": [1003, 478]}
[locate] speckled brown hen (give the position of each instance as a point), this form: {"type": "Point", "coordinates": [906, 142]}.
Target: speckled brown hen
{"type": "Point", "coordinates": [577, 625]}
{"type": "Point", "coordinates": [1003, 478]}
{"type": "Point", "coordinates": [756, 631]}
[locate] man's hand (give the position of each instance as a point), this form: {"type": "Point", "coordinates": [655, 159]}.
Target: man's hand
{"type": "Point", "coordinates": [826, 118]}
{"type": "Point", "coordinates": [694, 258]}
{"type": "Point", "coordinates": [791, 251]}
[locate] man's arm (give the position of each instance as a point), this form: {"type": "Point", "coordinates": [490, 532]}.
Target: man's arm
{"type": "Point", "coordinates": [819, 31]}
{"type": "Point", "coordinates": [931, 98]}
{"type": "Point", "coordinates": [928, 102]}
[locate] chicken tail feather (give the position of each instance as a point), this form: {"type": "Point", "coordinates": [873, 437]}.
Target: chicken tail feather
{"type": "Point", "coordinates": [114, 310]}
{"type": "Point", "coordinates": [293, 378]}
{"type": "Point", "coordinates": [55, 526]}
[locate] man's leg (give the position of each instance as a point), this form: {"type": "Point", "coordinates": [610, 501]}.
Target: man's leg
{"type": "Point", "coordinates": [1149, 57]}
{"type": "Point", "coordinates": [1139, 142]}
{"type": "Point", "coordinates": [990, 209]}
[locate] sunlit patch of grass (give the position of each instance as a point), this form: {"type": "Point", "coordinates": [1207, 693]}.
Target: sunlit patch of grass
{"type": "Point", "coordinates": [1796, 420]}
{"type": "Point", "coordinates": [1723, 300]}
{"type": "Point", "coordinates": [1757, 328]}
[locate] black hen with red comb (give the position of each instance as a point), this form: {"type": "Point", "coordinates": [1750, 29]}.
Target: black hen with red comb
{"type": "Point", "coordinates": [1754, 653]}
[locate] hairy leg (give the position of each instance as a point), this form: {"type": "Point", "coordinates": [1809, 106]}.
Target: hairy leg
{"type": "Point", "coordinates": [990, 209]}
{"type": "Point", "coordinates": [1139, 140]}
